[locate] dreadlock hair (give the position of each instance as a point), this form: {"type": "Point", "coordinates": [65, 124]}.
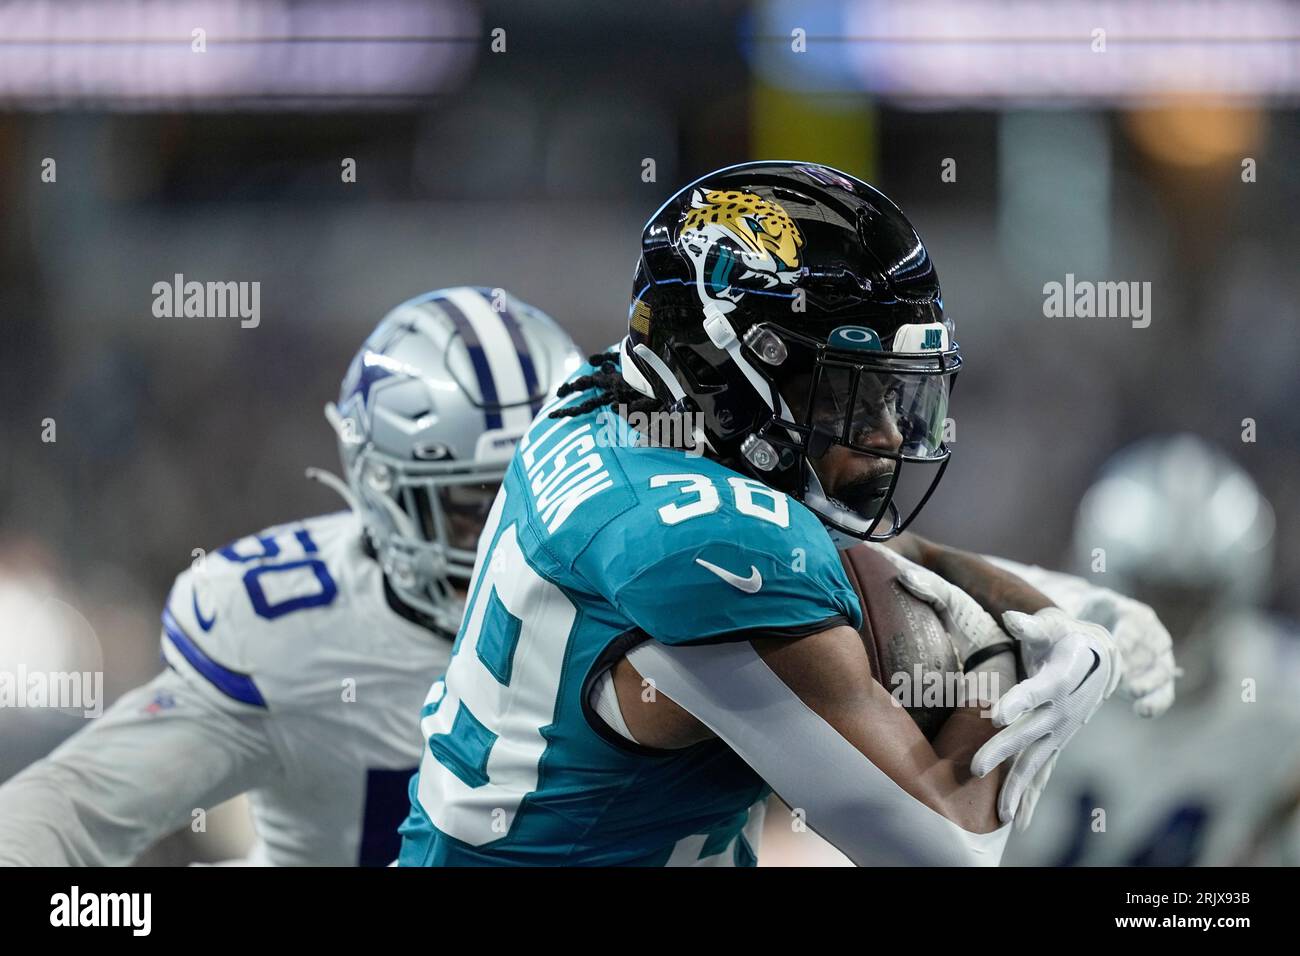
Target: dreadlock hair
{"type": "Point", "coordinates": [611, 389]}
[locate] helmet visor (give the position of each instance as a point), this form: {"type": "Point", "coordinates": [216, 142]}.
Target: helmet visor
{"type": "Point", "coordinates": [884, 413]}
{"type": "Point", "coordinates": [854, 417]}
{"type": "Point", "coordinates": [465, 510]}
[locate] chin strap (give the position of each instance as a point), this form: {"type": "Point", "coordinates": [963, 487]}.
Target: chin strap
{"type": "Point", "coordinates": [663, 371]}
{"type": "Point", "coordinates": [331, 480]}
{"type": "Point", "coordinates": [723, 336]}
{"type": "Point", "coordinates": [444, 626]}
{"type": "Point", "coordinates": [632, 372]}
{"type": "Point", "coordinates": [633, 376]}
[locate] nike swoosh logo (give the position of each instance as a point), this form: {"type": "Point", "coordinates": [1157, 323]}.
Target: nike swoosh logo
{"type": "Point", "coordinates": [206, 625]}
{"type": "Point", "coordinates": [749, 585]}
{"type": "Point", "coordinates": [1096, 662]}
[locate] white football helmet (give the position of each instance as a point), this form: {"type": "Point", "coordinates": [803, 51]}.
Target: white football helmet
{"type": "Point", "coordinates": [427, 419]}
{"type": "Point", "coordinates": [1176, 514]}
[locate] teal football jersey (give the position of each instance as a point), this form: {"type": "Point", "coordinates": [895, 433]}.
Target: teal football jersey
{"type": "Point", "coordinates": [594, 543]}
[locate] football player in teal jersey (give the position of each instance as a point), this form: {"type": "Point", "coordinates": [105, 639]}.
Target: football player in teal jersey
{"type": "Point", "coordinates": [657, 637]}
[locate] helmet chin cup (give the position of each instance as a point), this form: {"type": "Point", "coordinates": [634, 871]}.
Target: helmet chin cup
{"type": "Point", "coordinates": [875, 503]}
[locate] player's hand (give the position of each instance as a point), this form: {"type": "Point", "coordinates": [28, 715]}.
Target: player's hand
{"type": "Point", "coordinates": [1148, 652]}
{"type": "Point", "coordinates": [970, 626]}
{"type": "Point", "coordinates": [1072, 666]}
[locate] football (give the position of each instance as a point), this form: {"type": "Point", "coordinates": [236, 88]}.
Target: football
{"type": "Point", "coordinates": [909, 650]}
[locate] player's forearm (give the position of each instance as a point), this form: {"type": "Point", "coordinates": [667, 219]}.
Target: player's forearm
{"type": "Point", "coordinates": [44, 823]}
{"type": "Point", "coordinates": [935, 774]}
{"type": "Point", "coordinates": [995, 589]}
{"type": "Point", "coordinates": [1071, 594]}
{"type": "Point", "coordinates": [131, 777]}
{"type": "Point", "coordinates": [968, 800]}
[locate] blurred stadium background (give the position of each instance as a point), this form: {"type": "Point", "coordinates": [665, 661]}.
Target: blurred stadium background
{"type": "Point", "coordinates": [527, 169]}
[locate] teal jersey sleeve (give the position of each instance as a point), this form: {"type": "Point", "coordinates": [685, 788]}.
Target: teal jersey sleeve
{"type": "Point", "coordinates": [712, 555]}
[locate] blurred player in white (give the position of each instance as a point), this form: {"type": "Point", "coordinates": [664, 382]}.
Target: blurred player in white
{"type": "Point", "coordinates": [297, 658]}
{"type": "Point", "coordinates": [1214, 781]}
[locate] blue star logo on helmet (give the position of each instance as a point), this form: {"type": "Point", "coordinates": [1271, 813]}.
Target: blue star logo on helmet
{"type": "Point", "coordinates": [855, 338]}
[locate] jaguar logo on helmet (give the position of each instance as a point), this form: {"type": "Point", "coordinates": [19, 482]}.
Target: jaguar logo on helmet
{"type": "Point", "coordinates": [737, 241]}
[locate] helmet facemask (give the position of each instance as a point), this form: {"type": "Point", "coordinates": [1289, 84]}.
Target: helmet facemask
{"type": "Point", "coordinates": [846, 422]}
{"type": "Point", "coordinates": [424, 519]}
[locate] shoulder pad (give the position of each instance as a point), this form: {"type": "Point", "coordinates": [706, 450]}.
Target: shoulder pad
{"type": "Point", "coordinates": [250, 609]}
{"type": "Point", "coordinates": [708, 553]}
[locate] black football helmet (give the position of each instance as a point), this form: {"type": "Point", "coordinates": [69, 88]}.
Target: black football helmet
{"type": "Point", "coordinates": [797, 309]}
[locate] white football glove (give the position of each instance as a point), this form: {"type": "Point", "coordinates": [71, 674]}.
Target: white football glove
{"type": "Point", "coordinates": [1148, 652]}
{"type": "Point", "coordinates": [969, 625]}
{"type": "Point", "coordinates": [1149, 669]}
{"type": "Point", "coordinates": [1071, 667]}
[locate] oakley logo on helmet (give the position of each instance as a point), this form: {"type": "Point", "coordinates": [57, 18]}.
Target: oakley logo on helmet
{"type": "Point", "coordinates": [854, 338]}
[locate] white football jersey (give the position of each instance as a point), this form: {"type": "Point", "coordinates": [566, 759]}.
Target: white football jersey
{"type": "Point", "coordinates": [290, 677]}
{"type": "Point", "coordinates": [1192, 787]}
